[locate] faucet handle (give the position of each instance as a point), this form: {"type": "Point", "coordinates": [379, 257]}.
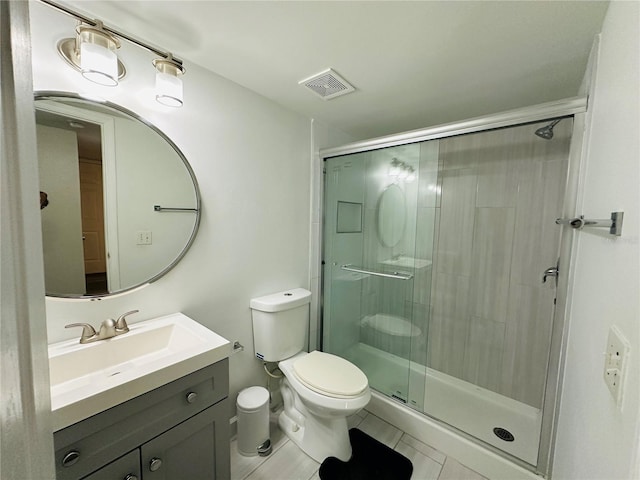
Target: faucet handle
{"type": "Point", "coordinates": [121, 323]}
{"type": "Point", "coordinates": [87, 330]}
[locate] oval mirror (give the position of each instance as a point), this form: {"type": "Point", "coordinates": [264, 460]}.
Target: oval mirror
{"type": "Point", "coordinates": [391, 216]}
{"type": "Point", "coordinates": [119, 202]}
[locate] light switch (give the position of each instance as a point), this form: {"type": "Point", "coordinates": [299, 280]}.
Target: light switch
{"type": "Point", "coordinates": [143, 237]}
{"type": "Point", "coordinates": [616, 358]}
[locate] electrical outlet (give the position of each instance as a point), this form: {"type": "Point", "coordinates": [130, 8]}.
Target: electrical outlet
{"type": "Point", "coordinates": [615, 362]}
{"type": "Point", "coordinates": [143, 237]}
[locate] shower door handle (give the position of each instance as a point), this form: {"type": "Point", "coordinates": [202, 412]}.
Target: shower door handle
{"type": "Point", "coordinates": [550, 272]}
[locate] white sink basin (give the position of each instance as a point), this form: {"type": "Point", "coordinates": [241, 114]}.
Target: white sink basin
{"type": "Point", "coordinates": [407, 262]}
{"type": "Point", "coordinates": [87, 379]}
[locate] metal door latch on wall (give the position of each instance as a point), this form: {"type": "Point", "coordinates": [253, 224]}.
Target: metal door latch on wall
{"type": "Point", "coordinates": [550, 272]}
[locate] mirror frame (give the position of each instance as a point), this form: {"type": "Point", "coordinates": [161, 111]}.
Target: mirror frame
{"type": "Point", "coordinates": [53, 95]}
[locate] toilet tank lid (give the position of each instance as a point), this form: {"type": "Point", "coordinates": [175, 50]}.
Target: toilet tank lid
{"type": "Point", "coordinates": [277, 302]}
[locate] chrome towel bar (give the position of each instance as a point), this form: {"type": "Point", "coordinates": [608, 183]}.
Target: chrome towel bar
{"type": "Point", "coordinates": [158, 208]}
{"type": "Point", "coordinates": [397, 275]}
{"type": "Point", "coordinates": [614, 224]}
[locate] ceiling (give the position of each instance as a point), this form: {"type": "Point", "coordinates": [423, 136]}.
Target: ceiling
{"type": "Point", "coordinates": [414, 64]}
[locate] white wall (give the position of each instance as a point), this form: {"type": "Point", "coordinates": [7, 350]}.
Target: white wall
{"type": "Point", "coordinates": [252, 161]}
{"type": "Point", "coordinates": [148, 173]}
{"type": "Point", "coordinates": [596, 440]}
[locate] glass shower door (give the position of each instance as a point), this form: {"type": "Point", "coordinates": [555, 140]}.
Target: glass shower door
{"type": "Point", "coordinates": [433, 285]}
{"type": "Point", "coordinates": [369, 254]}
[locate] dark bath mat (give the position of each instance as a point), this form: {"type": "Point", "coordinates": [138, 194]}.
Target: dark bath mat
{"type": "Point", "coordinates": [370, 460]}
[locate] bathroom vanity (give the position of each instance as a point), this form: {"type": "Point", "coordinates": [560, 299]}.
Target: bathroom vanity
{"type": "Point", "coordinates": [148, 400]}
{"type": "Point", "coordinates": [179, 430]}
{"type": "Point", "coordinates": [150, 404]}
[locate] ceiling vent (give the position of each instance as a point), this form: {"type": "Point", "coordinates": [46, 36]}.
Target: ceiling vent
{"type": "Point", "coordinates": [327, 84]}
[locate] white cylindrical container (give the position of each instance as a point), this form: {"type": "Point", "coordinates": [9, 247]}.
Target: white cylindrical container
{"type": "Point", "coordinates": [253, 422]}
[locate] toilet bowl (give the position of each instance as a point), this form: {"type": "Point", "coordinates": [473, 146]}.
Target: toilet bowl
{"type": "Point", "coordinates": [320, 391]}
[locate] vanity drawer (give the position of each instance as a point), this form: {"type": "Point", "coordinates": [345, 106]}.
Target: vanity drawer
{"type": "Point", "coordinates": [82, 448]}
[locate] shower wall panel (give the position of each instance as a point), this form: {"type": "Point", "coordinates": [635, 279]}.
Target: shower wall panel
{"type": "Point", "coordinates": [490, 313]}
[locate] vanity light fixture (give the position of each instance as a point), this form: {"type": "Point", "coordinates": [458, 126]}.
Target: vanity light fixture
{"type": "Point", "coordinates": [396, 166]}
{"type": "Point", "coordinates": [168, 81]}
{"type": "Point", "coordinates": [402, 171]}
{"type": "Point", "coordinates": [411, 174]}
{"type": "Point", "coordinates": [98, 59]}
{"type": "Point", "coordinates": [92, 52]}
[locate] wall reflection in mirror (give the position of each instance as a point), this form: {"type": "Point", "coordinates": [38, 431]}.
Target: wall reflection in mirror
{"type": "Point", "coordinates": [103, 169]}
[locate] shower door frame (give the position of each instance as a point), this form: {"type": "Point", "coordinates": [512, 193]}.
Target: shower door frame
{"type": "Point", "coordinates": [575, 107]}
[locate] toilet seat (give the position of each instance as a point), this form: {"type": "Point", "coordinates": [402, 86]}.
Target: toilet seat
{"type": "Point", "coordinates": [330, 375]}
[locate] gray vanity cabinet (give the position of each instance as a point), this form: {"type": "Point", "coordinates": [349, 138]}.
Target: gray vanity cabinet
{"type": "Point", "coordinates": [177, 431]}
{"type": "Point", "coordinates": [185, 451]}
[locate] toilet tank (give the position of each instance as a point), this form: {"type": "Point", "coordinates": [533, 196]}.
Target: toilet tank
{"type": "Point", "coordinates": [280, 323]}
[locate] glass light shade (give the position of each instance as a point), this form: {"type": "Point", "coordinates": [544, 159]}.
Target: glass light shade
{"type": "Point", "coordinates": [99, 64]}
{"type": "Point", "coordinates": [168, 89]}
{"type": "Point", "coordinates": [394, 169]}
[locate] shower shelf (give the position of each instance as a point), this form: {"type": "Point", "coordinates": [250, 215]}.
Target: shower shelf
{"type": "Point", "coordinates": [397, 275]}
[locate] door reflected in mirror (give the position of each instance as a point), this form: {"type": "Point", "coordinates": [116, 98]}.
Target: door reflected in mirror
{"type": "Point", "coordinates": [104, 172]}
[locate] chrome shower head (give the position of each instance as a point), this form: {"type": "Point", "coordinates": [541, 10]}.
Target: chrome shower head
{"type": "Point", "coordinates": [547, 131]}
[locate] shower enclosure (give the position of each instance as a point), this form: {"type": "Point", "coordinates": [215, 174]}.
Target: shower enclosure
{"type": "Point", "coordinates": [440, 272]}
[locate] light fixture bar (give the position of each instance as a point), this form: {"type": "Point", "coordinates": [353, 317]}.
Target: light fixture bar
{"type": "Point", "coordinates": [113, 31]}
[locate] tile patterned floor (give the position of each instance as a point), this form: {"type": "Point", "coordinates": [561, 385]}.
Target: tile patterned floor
{"type": "Point", "coordinates": [288, 462]}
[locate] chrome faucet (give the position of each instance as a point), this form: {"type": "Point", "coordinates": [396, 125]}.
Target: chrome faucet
{"type": "Point", "coordinates": [108, 329]}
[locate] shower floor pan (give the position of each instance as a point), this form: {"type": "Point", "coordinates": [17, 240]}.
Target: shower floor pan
{"type": "Point", "coordinates": [507, 424]}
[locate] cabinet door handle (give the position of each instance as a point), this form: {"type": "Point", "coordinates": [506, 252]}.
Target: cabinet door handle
{"type": "Point", "coordinates": [130, 476]}
{"type": "Point", "coordinates": [155, 464]}
{"type": "Point", "coordinates": [71, 458]}
{"type": "Point", "coordinates": [191, 397]}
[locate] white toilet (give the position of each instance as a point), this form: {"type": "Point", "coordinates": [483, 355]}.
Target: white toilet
{"type": "Point", "coordinates": [319, 390]}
